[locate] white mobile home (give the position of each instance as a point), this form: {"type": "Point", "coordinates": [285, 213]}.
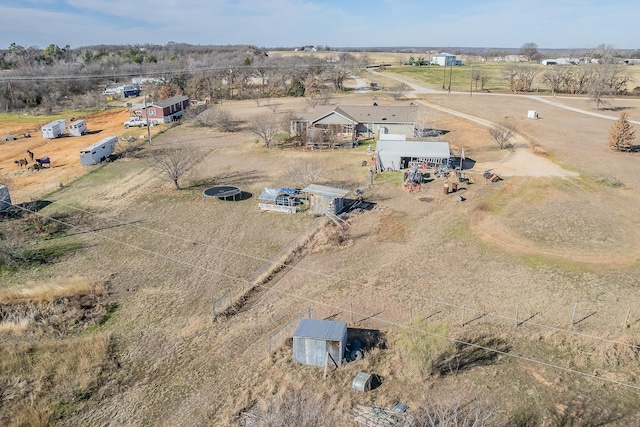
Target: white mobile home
{"type": "Point", "coordinates": [98, 152]}
{"type": "Point", "coordinates": [54, 129]}
{"type": "Point", "coordinates": [78, 128]}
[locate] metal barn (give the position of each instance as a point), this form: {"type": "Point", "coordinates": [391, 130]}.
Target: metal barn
{"type": "Point", "coordinates": [396, 154]}
{"type": "Point", "coordinates": [319, 342]}
{"type": "Point", "coordinates": [323, 199]}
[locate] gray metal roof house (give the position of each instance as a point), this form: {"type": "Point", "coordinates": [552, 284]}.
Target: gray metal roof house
{"type": "Point", "coordinates": [397, 153]}
{"type": "Point", "coordinates": [314, 339]}
{"type": "Point", "coordinates": [323, 199]}
{"type": "Point", "coordinates": [354, 121]}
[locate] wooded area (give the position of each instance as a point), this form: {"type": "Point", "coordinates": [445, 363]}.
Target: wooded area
{"type": "Point", "coordinates": [63, 77]}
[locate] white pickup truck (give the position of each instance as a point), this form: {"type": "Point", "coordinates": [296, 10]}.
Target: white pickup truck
{"type": "Point", "coordinates": [135, 121]}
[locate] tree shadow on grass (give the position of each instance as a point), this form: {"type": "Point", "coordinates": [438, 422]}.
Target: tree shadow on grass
{"type": "Point", "coordinates": [480, 351]}
{"type": "Point", "coordinates": [236, 178]}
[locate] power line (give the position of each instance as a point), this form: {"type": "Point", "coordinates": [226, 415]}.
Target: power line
{"type": "Point", "coordinates": [311, 300]}
{"type": "Point", "coordinates": [351, 281]}
{"type": "Point", "coordinates": [164, 72]}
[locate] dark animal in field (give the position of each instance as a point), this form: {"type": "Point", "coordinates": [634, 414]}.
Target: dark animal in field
{"type": "Point", "coordinates": [30, 153]}
{"type": "Point", "coordinates": [22, 163]}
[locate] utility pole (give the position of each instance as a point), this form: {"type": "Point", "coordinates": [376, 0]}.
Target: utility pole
{"type": "Point", "coordinates": [450, 72]}
{"type": "Point", "coordinates": [146, 113]}
{"type": "Point", "coordinates": [471, 82]}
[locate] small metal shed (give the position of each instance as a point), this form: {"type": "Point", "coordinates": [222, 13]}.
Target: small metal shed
{"type": "Point", "coordinates": [318, 342]}
{"type": "Point", "coordinates": [323, 199]}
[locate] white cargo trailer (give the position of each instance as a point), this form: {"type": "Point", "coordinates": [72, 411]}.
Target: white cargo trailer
{"type": "Point", "coordinates": [78, 128]}
{"type": "Point", "coordinates": [54, 129]}
{"type": "Point", "coordinates": [98, 152]}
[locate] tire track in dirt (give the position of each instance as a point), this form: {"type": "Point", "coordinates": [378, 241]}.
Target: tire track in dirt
{"type": "Point", "coordinates": [491, 229]}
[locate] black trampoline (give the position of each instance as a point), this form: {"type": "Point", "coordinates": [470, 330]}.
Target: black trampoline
{"type": "Point", "coordinates": [223, 192]}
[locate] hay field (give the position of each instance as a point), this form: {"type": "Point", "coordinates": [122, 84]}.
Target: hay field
{"type": "Point", "coordinates": [562, 251]}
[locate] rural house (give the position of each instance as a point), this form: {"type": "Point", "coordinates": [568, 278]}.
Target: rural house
{"type": "Point", "coordinates": [445, 59]}
{"type": "Point", "coordinates": [328, 125]}
{"type": "Point", "coordinates": [163, 111]}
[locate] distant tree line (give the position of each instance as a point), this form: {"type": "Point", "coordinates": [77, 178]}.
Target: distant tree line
{"type": "Point", "coordinates": [58, 77]}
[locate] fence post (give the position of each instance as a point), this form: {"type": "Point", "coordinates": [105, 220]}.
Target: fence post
{"type": "Point", "coordinates": [213, 308]}
{"type": "Point", "coordinates": [309, 312]}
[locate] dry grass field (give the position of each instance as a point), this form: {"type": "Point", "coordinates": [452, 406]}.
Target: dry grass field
{"type": "Point", "coordinates": [555, 243]}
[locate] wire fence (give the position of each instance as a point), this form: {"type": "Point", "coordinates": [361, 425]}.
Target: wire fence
{"type": "Point", "coordinates": [240, 292]}
{"type": "Point", "coordinates": [287, 330]}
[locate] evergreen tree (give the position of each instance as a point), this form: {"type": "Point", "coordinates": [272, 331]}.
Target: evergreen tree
{"type": "Point", "coordinates": [621, 134]}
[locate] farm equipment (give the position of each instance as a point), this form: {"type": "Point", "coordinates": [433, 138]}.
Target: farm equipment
{"type": "Point", "coordinates": [491, 176]}
{"type": "Point", "coordinates": [412, 180]}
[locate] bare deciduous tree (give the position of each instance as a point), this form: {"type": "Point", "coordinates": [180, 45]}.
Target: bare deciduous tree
{"type": "Point", "coordinates": [622, 134]}
{"type": "Point", "coordinates": [172, 162]}
{"type": "Point", "coordinates": [439, 411]}
{"type": "Point", "coordinates": [292, 407]}
{"type": "Point", "coordinates": [225, 121]}
{"type": "Point", "coordinates": [267, 127]}
{"type": "Point", "coordinates": [502, 134]}
{"type": "Point", "coordinates": [398, 92]}
{"type": "Point", "coordinates": [300, 175]}
{"type": "Point", "coordinates": [322, 97]}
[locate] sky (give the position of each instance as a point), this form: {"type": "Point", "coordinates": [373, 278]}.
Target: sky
{"type": "Point", "coordinates": [560, 24]}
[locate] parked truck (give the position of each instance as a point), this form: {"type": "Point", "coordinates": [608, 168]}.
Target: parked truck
{"type": "Point", "coordinates": [135, 121]}
{"type": "Point", "coordinates": [54, 129]}
{"type": "Point", "coordinates": [98, 152]}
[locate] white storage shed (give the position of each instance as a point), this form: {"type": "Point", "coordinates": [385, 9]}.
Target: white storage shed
{"type": "Point", "coordinates": [98, 152]}
{"type": "Point", "coordinates": [319, 342]}
{"type": "Point", "coordinates": [78, 128]}
{"type": "Point", "coordinates": [325, 200]}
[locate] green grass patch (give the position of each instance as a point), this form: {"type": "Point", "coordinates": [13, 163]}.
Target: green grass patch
{"type": "Point", "coordinates": [48, 253]}
{"type": "Point", "coordinates": [610, 181]}
{"type": "Point", "coordinates": [457, 228]}
{"type": "Point", "coordinates": [536, 261]}
{"type": "Point", "coordinates": [459, 78]}
{"type": "Point", "coordinates": [394, 178]}
{"type": "Point", "coordinates": [422, 349]}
